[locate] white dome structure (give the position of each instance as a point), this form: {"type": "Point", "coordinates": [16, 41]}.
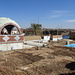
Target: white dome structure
{"type": "Point", "coordinates": [8, 24]}
{"type": "Point", "coordinates": [9, 41]}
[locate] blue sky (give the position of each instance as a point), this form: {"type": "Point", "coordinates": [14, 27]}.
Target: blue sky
{"type": "Point", "coordinates": [50, 13]}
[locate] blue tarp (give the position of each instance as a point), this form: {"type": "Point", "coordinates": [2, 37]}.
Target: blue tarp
{"type": "Point", "coordinates": [66, 37]}
{"type": "Point", "coordinates": [71, 45]}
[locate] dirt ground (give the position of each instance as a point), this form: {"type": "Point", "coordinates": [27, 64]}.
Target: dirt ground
{"type": "Point", "coordinates": [27, 38]}
{"type": "Point", "coordinates": [52, 60]}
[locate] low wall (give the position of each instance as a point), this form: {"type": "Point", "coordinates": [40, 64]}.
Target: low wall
{"type": "Point", "coordinates": [11, 42]}
{"type": "Point", "coordinates": [11, 46]}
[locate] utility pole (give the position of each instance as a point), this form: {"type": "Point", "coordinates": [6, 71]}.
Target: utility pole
{"type": "Point", "coordinates": [57, 33]}
{"type": "Point", "coordinates": [38, 20]}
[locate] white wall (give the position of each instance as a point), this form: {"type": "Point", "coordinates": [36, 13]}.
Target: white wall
{"type": "Point", "coordinates": [55, 39]}
{"type": "Point", "coordinates": [10, 46]}
{"type": "Point", "coordinates": [47, 38]}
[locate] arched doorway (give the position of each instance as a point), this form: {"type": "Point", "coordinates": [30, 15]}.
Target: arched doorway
{"type": "Point", "coordinates": [8, 28]}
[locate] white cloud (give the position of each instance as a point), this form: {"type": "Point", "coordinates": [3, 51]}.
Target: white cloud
{"type": "Point", "coordinates": [70, 20]}
{"type": "Point", "coordinates": [55, 11]}
{"type": "Point", "coordinates": [54, 16]}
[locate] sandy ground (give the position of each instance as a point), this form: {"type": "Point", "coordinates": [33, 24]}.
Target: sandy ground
{"type": "Point", "coordinates": [52, 60]}
{"type": "Point", "coordinates": [27, 38]}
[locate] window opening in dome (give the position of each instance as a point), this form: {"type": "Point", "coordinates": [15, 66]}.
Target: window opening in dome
{"type": "Point", "coordinates": [10, 30]}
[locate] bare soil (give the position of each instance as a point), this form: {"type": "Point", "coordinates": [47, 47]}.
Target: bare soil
{"type": "Point", "coordinates": [27, 38]}
{"type": "Point", "coordinates": [53, 60]}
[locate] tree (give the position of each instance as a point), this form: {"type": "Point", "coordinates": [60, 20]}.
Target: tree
{"type": "Point", "coordinates": [45, 32]}
{"type": "Point", "coordinates": [36, 28]}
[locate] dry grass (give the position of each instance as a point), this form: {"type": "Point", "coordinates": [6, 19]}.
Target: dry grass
{"type": "Point", "coordinates": [26, 38]}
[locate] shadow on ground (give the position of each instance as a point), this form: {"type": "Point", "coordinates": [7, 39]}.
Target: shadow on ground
{"type": "Point", "coordinates": [70, 66]}
{"type": "Point", "coordinates": [68, 74]}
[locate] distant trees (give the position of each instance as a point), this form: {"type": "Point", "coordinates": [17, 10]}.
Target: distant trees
{"type": "Point", "coordinates": [46, 32]}
{"type": "Point", "coordinates": [36, 28]}
{"type": "Point", "coordinates": [28, 31]}
{"type": "Point", "coordinates": [52, 32]}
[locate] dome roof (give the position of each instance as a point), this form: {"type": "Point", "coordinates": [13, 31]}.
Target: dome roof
{"type": "Point", "coordinates": [4, 21]}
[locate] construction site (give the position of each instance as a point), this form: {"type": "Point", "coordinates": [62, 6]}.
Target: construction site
{"type": "Point", "coordinates": [55, 59]}
{"type": "Point", "coordinates": [37, 37]}
{"type": "Point", "coordinates": [31, 55]}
